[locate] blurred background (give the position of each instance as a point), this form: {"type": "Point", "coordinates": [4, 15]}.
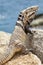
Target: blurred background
{"type": "Point", "coordinates": [9, 10]}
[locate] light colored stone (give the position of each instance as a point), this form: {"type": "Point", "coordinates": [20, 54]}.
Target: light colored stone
{"type": "Point", "coordinates": [37, 42]}
{"type": "Point", "coordinates": [4, 38]}
{"type": "Point", "coordinates": [37, 21]}
{"type": "Point", "coordinates": [29, 59]}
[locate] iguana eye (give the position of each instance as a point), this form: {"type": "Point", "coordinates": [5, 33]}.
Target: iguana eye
{"type": "Point", "coordinates": [20, 15]}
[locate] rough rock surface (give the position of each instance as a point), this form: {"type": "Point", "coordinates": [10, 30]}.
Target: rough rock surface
{"type": "Point", "coordinates": [4, 38]}
{"type": "Point", "coordinates": [29, 59]}
{"type": "Point", "coordinates": [37, 44]}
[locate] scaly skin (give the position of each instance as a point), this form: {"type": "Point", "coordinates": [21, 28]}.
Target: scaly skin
{"type": "Point", "coordinates": [19, 40]}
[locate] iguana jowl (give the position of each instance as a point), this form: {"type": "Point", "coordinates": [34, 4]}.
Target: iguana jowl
{"type": "Point", "coordinates": [19, 40]}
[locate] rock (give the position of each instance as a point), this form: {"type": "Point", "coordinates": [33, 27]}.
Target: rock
{"type": "Point", "coordinates": [37, 44]}
{"type": "Point", "coordinates": [38, 20]}
{"type": "Point", "coordinates": [4, 38]}
{"type": "Point", "coordinates": [29, 59]}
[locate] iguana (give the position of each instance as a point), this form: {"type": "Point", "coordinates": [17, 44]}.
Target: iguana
{"type": "Point", "coordinates": [19, 40]}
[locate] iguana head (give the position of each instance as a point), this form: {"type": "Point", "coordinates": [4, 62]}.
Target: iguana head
{"type": "Point", "coordinates": [26, 16]}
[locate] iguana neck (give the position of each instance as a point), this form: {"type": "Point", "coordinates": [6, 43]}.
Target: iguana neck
{"type": "Point", "coordinates": [20, 21]}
